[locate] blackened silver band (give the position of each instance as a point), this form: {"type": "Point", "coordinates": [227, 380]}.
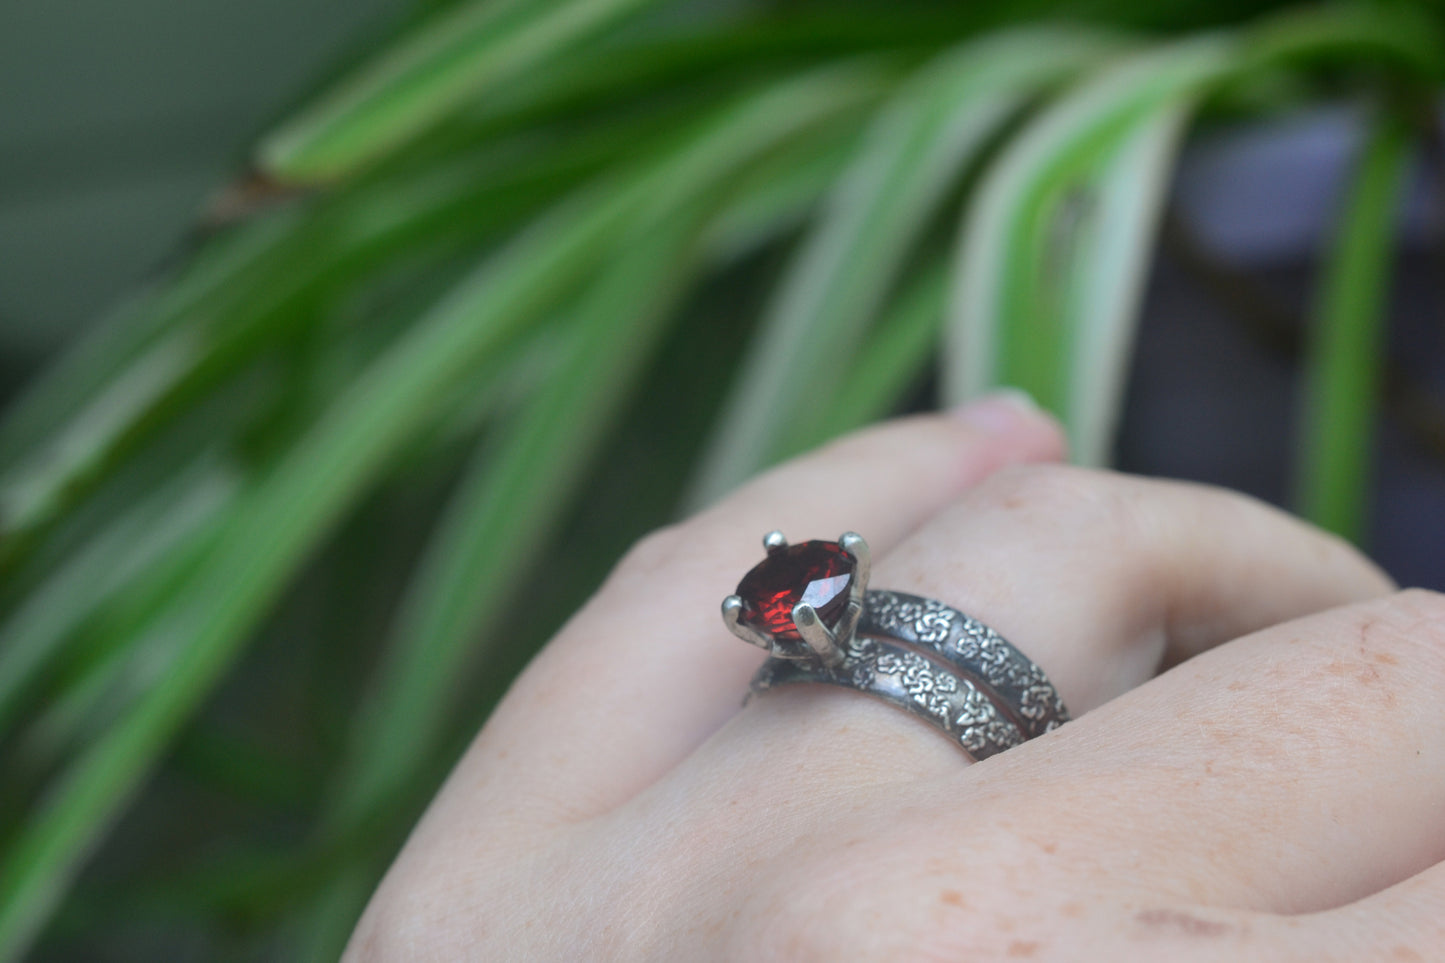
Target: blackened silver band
{"type": "Point", "coordinates": [974, 649]}
{"type": "Point", "coordinates": [912, 682]}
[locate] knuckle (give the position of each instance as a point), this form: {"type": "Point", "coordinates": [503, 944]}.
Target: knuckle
{"type": "Point", "coordinates": [1343, 555]}
{"type": "Point", "coordinates": [1371, 667]}
{"type": "Point", "coordinates": [812, 930]}
{"type": "Point", "coordinates": [795, 936]}
{"type": "Point", "coordinates": [1407, 625]}
{"type": "Point", "coordinates": [651, 555]}
{"type": "Point", "coordinates": [1374, 659]}
{"type": "Point", "coordinates": [802, 912]}
{"type": "Point", "coordinates": [1419, 607]}
{"type": "Point", "coordinates": [1048, 493]}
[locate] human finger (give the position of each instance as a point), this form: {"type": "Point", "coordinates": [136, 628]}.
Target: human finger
{"type": "Point", "coordinates": [1101, 577]}
{"type": "Point", "coordinates": [645, 671]}
{"type": "Point", "coordinates": [1403, 923]}
{"type": "Point", "coordinates": [1291, 771]}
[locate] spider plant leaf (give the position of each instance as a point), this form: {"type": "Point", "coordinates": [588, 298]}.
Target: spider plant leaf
{"type": "Point", "coordinates": [271, 530]}
{"type": "Point", "coordinates": [501, 517]}
{"type": "Point", "coordinates": [278, 522]}
{"type": "Point", "coordinates": [791, 113]}
{"type": "Point", "coordinates": [1346, 351]}
{"type": "Point", "coordinates": [1400, 35]}
{"type": "Point", "coordinates": [78, 405]}
{"type": "Point", "coordinates": [459, 56]}
{"type": "Point", "coordinates": [504, 508]}
{"type": "Point", "coordinates": [894, 356]}
{"type": "Point", "coordinates": [115, 656]}
{"type": "Point", "coordinates": [778, 197]}
{"type": "Point", "coordinates": [83, 373]}
{"type": "Point", "coordinates": [1019, 238]}
{"type": "Point", "coordinates": [508, 505]}
{"type": "Point", "coordinates": [259, 291]}
{"type": "Point", "coordinates": [110, 562]}
{"type": "Point", "coordinates": [1102, 306]}
{"type": "Point", "coordinates": [914, 153]}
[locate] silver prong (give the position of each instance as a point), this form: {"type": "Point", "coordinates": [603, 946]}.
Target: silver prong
{"type": "Point", "coordinates": [855, 546]}
{"type": "Point", "coordinates": [732, 608]}
{"type": "Point", "coordinates": [774, 542]}
{"type": "Point", "coordinates": [818, 636]}
{"type": "Point", "coordinates": [848, 623]}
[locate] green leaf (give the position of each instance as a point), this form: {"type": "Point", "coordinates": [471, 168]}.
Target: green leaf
{"type": "Point", "coordinates": [33, 497]}
{"type": "Point", "coordinates": [1112, 268]}
{"type": "Point", "coordinates": [778, 197]}
{"type": "Point", "coordinates": [501, 517]}
{"type": "Point", "coordinates": [106, 566]}
{"type": "Point", "coordinates": [1346, 352]}
{"type": "Point", "coordinates": [276, 524]}
{"type": "Point", "coordinates": [507, 507]}
{"type": "Point", "coordinates": [1020, 238]}
{"type": "Point", "coordinates": [914, 153]}
{"type": "Point", "coordinates": [274, 527]}
{"type": "Point", "coordinates": [260, 289]}
{"type": "Point", "coordinates": [896, 354]}
{"type": "Point", "coordinates": [460, 55]}
{"type": "Point", "coordinates": [1402, 35]}
{"type": "Point", "coordinates": [69, 390]}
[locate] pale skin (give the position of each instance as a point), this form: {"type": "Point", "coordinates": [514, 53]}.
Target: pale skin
{"type": "Point", "coordinates": [1278, 794]}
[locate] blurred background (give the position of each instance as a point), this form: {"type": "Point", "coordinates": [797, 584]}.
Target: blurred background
{"type": "Point", "coordinates": [343, 347]}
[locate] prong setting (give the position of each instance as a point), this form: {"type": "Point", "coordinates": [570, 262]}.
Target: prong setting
{"type": "Point", "coordinates": [854, 545]}
{"type": "Point", "coordinates": [821, 623]}
{"type": "Point", "coordinates": [818, 636]}
{"type": "Point", "coordinates": [732, 609]}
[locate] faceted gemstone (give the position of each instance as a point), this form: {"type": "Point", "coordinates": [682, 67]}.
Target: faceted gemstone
{"type": "Point", "coordinates": [819, 573]}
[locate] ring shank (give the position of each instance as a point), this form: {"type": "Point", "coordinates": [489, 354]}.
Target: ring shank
{"type": "Point", "coordinates": [911, 682]}
{"type": "Point", "coordinates": [972, 648]}
{"type": "Point", "coordinates": [939, 665]}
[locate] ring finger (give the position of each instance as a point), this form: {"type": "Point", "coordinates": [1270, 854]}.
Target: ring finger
{"type": "Point", "coordinates": [1098, 577]}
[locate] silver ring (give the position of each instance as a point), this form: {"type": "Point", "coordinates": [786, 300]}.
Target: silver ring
{"type": "Point", "coordinates": [1019, 685]}
{"type": "Point", "coordinates": [910, 681]}
{"type": "Point", "coordinates": [809, 606]}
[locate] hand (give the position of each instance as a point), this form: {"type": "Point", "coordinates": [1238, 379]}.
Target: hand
{"type": "Point", "coordinates": [1279, 797]}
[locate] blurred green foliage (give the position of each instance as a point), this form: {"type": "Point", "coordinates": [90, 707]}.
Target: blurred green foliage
{"type": "Point", "coordinates": [270, 535]}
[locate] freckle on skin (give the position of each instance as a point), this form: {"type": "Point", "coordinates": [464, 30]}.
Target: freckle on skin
{"type": "Point", "coordinates": [1364, 674]}
{"type": "Point", "coordinates": [1022, 948]}
{"type": "Point", "coordinates": [1072, 910]}
{"type": "Point", "coordinates": [1405, 953]}
{"type": "Point", "coordinates": [1180, 922]}
{"type": "Point", "coordinates": [953, 898]}
{"type": "Point", "coordinates": [1385, 658]}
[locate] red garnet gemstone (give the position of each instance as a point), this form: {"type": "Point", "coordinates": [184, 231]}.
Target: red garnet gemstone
{"type": "Point", "coordinates": [819, 573]}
